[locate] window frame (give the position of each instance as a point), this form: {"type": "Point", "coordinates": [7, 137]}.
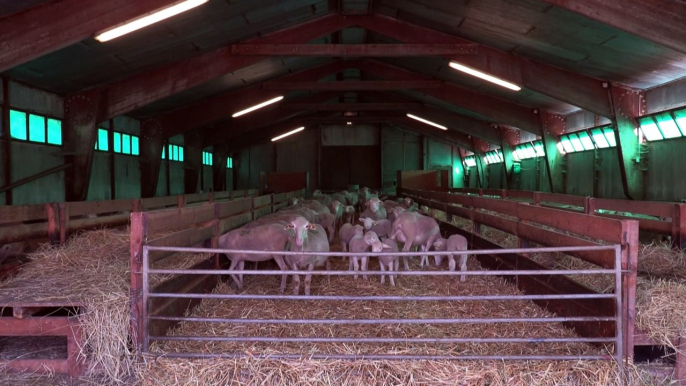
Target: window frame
{"type": "Point", "coordinates": [27, 129]}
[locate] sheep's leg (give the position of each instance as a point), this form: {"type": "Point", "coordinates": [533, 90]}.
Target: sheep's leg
{"type": "Point", "coordinates": [234, 263]}
{"type": "Point", "coordinates": [328, 268]}
{"type": "Point", "coordinates": [438, 260]}
{"type": "Point", "coordinates": [406, 248]}
{"type": "Point", "coordinates": [308, 278]}
{"type": "Point", "coordinates": [383, 277]}
{"type": "Point", "coordinates": [282, 266]}
{"type": "Point", "coordinates": [365, 266]}
{"type": "Point", "coordinates": [463, 266]}
{"type": "Point", "coordinates": [296, 279]}
{"type": "Point", "coordinates": [391, 277]}
{"type": "Point", "coordinates": [356, 264]}
{"type": "Point", "coordinates": [424, 260]}
{"type": "Point", "coordinates": [241, 268]}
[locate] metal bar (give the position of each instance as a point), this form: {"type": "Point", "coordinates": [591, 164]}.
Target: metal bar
{"type": "Point", "coordinates": [363, 254]}
{"type": "Point", "coordinates": [146, 305]}
{"type": "Point", "coordinates": [352, 85]}
{"type": "Point", "coordinates": [388, 357]}
{"type": "Point", "coordinates": [387, 321]}
{"type": "Point", "coordinates": [34, 177]}
{"type": "Point", "coordinates": [374, 340]}
{"type": "Point", "coordinates": [380, 298]}
{"type": "Point", "coordinates": [405, 273]}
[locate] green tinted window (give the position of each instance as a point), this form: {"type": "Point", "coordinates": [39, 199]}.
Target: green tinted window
{"type": "Point", "coordinates": [610, 136]}
{"type": "Point", "coordinates": [17, 124]}
{"type": "Point", "coordinates": [117, 142]}
{"type": "Point", "coordinates": [180, 153]}
{"type": "Point", "coordinates": [103, 140]}
{"type": "Point", "coordinates": [126, 144]}
{"type": "Point", "coordinates": [163, 153]}
{"type": "Point", "coordinates": [36, 128]}
{"type": "Point", "coordinates": [54, 131]}
{"type": "Point", "coordinates": [134, 145]}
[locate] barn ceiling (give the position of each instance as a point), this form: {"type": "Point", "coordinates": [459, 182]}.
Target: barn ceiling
{"type": "Point", "coordinates": [532, 29]}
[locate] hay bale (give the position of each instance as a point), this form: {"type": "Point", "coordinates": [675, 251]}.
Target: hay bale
{"type": "Point", "coordinates": [92, 268]}
{"type": "Point", "coordinates": [661, 309]}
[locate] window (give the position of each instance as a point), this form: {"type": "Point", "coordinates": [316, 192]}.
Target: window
{"type": "Point", "coordinates": [123, 143]}
{"type": "Point", "coordinates": [102, 143]}
{"type": "Point", "coordinates": [528, 150]}
{"type": "Point", "coordinates": [229, 163]}
{"type": "Point", "coordinates": [175, 153]}
{"type": "Point", "coordinates": [598, 138]}
{"type": "Point", "coordinates": [35, 128]}
{"type": "Point", "coordinates": [470, 161]}
{"type": "Point", "coordinates": [494, 157]}
{"type": "Point", "coordinates": [665, 125]}
{"type": "Point", "coordinates": [207, 158]}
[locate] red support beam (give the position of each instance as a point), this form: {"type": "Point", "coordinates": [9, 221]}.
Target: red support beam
{"type": "Point", "coordinates": [353, 50]}
{"type": "Point", "coordinates": [355, 85]}
{"type": "Point", "coordinates": [80, 112]}
{"type": "Point", "coordinates": [352, 106]}
{"type": "Point", "coordinates": [144, 88]}
{"type": "Point", "coordinates": [52, 25]}
{"type": "Point", "coordinates": [567, 86]}
{"type": "Point", "coordinates": [659, 21]}
{"type": "Point", "coordinates": [499, 110]}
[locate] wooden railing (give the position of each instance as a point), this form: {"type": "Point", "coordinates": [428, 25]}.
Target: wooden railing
{"type": "Point", "coordinates": [663, 218]}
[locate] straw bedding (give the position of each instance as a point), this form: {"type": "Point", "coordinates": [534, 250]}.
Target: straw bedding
{"type": "Point", "coordinates": [92, 269]}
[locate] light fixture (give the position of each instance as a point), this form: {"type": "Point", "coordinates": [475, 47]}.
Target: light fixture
{"type": "Point", "coordinates": [457, 170]}
{"type": "Point", "coordinates": [427, 122]}
{"type": "Point", "coordinates": [349, 123]}
{"type": "Point", "coordinates": [148, 19]}
{"type": "Point", "coordinates": [486, 77]}
{"type": "Point", "coordinates": [257, 107]}
{"type": "Point", "coordinates": [289, 133]}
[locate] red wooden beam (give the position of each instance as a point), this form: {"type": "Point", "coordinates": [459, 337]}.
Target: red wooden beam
{"type": "Point", "coordinates": [659, 21]}
{"type": "Point", "coordinates": [355, 85]}
{"type": "Point", "coordinates": [353, 50]}
{"type": "Point", "coordinates": [144, 88]}
{"type": "Point", "coordinates": [567, 86]}
{"type": "Point", "coordinates": [352, 106]}
{"type": "Point", "coordinates": [497, 109]}
{"type": "Point", "coordinates": [52, 25]}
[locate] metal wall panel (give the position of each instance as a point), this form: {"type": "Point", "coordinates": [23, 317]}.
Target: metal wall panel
{"type": "Point", "coordinates": [261, 160]}
{"type": "Point", "coordinates": [666, 97]}
{"type": "Point", "coordinates": [298, 154]}
{"type": "Point", "coordinates": [28, 159]}
{"type": "Point", "coordinates": [207, 179]}
{"type": "Point", "coordinates": [99, 187]}
{"type": "Point", "coordinates": [127, 176]}
{"type": "Point", "coordinates": [354, 135]}
{"type": "Point", "coordinates": [241, 162]}
{"type": "Point", "coordinates": [176, 178]}
{"type": "Point", "coordinates": [665, 181]}
{"type": "Point", "coordinates": [162, 181]}
{"type": "Point", "coordinates": [495, 176]}
{"type": "Point", "coordinates": [401, 150]}
{"type": "Point", "coordinates": [580, 173]}
{"type": "Point", "coordinates": [34, 100]}
{"type": "Point", "coordinates": [609, 176]}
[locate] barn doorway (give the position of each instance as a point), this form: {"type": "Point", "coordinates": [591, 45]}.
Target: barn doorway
{"type": "Point", "coordinates": [344, 165]}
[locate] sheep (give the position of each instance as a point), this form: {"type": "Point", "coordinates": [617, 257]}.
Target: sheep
{"type": "Point", "coordinates": [453, 244]}
{"type": "Point", "coordinates": [390, 263]}
{"type": "Point", "coordinates": [382, 228]}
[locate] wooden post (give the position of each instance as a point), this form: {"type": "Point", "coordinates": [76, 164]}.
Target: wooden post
{"type": "Point", "coordinates": [63, 209]}
{"type": "Point", "coordinates": [679, 227]}
{"type": "Point", "coordinates": [230, 195]}
{"type": "Point", "coordinates": [272, 204]}
{"type": "Point", "coordinates": [139, 234]}
{"type": "Point", "coordinates": [589, 205]}
{"type": "Point", "coordinates": [629, 264]}
{"type": "Point", "coordinates": [52, 211]}
{"type": "Point", "coordinates": [180, 201]}
{"type": "Point", "coordinates": [211, 197]}
{"type": "Point", "coordinates": [537, 198]}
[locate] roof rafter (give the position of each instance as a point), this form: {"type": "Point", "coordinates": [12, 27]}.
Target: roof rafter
{"type": "Point", "coordinates": [52, 25]}
{"type": "Point", "coordinates": [573, 88]}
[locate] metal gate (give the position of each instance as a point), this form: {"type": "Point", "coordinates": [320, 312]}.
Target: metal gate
{"type": "Point", "coordinates": [617, 340]}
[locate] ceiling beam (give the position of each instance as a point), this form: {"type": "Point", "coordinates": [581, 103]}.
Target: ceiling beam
{"type": "Point", "coordinates": [352, 106]}
{"type": "Point", "coordinates": [219, 107]}
{"type": "Point", "coordinates": [658, 21]}
{"type": "Point", "coordinates": [52, 25]}
{"type": "Point", "coordinates": [567, 86]}
{"type": "Point", "coordinates": [355, 85]}
{"type": "Point", "coordinates": [144, 88]}
{"type": "Point", "coordinates": [457, 139]}
{"type": "Point", "coordinates": [353, 50]}
{"type": "Point", "coordinates": [497, 109]}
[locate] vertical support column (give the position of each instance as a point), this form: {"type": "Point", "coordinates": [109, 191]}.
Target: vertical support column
{"type": "Point", "coordinates": [552, 126]}
{"type": "Point", "coordinates": [480, 147]}
{"type": "Point", "coordinates": [180, 201]}
{"type": "Point", "coordinates": [63, 211]}
{"type": "Point", "coordinates": [152, 142]}
{"type": "Point", "coordinates": [508, 139]}
{"type": "Point", "coordinates": [629, 280]}
{"type": "Point", "coordinates": [80, 131]}
{"type": "Point", "coordinates": [6, 140]}
{"type": "Point", "coordinates": [139, 233]}
{"type": "Point", "coordinates": [219, 157]}
{"type": "Point", "coordinates": [52, 211]}
{"type": "Point", "coordinates": [192, 161]}
{"type": "Point", "coordinates": [626, 106]}
{"type": "Point", "coordinates": [679, 227]}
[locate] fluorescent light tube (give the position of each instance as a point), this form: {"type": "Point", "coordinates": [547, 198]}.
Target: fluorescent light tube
{"type": "Point", "coordinates": [144, 21]}
{"type": "Point", "coordinates": [486, 77]}
{"type": "Point", "coordinates": [289, 133]}
{"type": "Point", "coordinates": [427, 122]}
{"type": "Point", "coordinates": [257, 107]}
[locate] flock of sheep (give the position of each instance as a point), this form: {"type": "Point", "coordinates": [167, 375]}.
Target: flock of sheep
{"type": "Point", "coordinates": [310, 226]}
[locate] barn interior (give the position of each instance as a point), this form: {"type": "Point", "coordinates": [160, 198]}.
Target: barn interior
{"type": "Point", "coordinates": [516, 124]}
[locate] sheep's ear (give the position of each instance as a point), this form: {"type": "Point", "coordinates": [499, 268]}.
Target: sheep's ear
{"type": "Point", "coordinates": [386, 245]}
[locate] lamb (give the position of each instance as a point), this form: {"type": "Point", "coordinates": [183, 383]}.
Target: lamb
{"type": "Point", "coordinates": [337, 210]}
{"type": "Point", "coordinates": [390, 263]}
{"type": "Point", "coordinates": [361, 243]}
{"type": "Point", "coordinates": [375, 210]}
{"type": "Point", "coordinates": [349, 214]}
{"type": "Point", "coordinates": [306, 237]}
{"type": "Point", "coordinates": [347, 232]}
{"type": "Point", "coordinates": [453, 243]}
{"type": "Point", "coordinates": [413, 229]}
{"type": "Point", "coordinates": [382, 228]}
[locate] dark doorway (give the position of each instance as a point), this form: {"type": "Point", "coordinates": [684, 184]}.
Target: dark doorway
{"type": "Point", "coordinates": [344, 165]}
